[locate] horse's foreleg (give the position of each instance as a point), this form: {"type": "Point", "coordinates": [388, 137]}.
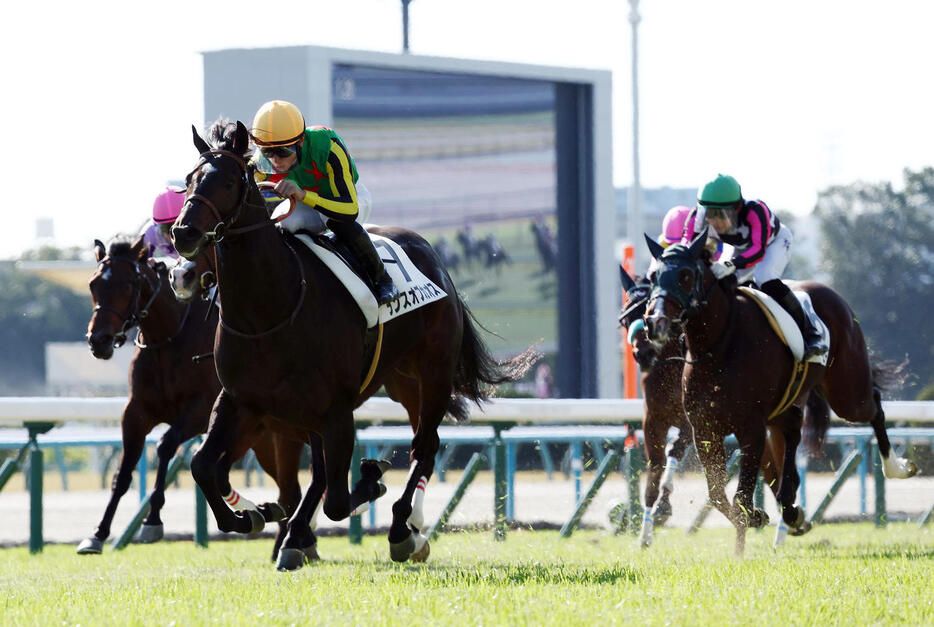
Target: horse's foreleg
{"type": "Point", "coordinates": [712, 456]}
{"type": "Point", "coordinates": [152, 530]}
{"type": "Point", "coordinates": [299, 543]}
{"type": "Point", "coordinates": [134, 439]}
{"type": "Point", "coordinates": [655, 435]}
{"type": "Point", "coordinates": [227, 425]}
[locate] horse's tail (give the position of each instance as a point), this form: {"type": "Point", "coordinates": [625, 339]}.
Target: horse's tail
{"type": "Point", "coordinates": [887, 375]}
{"type": "Point", "coordinates": [816, 422]}
{"type": "Point", "coordinates": [478, 372]}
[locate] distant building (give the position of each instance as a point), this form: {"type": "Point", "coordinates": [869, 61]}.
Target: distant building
{"type": "Point", "coordinates": [655, 203]}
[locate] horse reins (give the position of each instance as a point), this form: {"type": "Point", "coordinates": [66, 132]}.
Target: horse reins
{"type": "Point", "coordinates": [223, 228]}
{"type": "Point", "coordinates": [134, 315]}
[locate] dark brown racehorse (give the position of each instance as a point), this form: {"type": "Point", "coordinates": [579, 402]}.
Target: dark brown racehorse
{"type": "Point", "coordinates": [292, 345]}
{"type": "Point", "coordinates": [129, 290]}
{"type": "Point", "coordinates": [661, 386]}
{"type": "Point", "coordinates": [737, 372]}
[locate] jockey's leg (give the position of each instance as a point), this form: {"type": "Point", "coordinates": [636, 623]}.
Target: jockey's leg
{"type": "Point", "coordinates": [358, 241]}
{"type": "Point", "coordinates": [784, 296]}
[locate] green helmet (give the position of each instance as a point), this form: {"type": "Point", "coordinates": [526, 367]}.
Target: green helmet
{"type": "Point", "coordinates": [723, 191]}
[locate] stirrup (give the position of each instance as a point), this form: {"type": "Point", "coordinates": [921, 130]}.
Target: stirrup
{"type": "Point", "coordinates": [386, 291]}
{"type": "Point", "coordinates": [813, 350]}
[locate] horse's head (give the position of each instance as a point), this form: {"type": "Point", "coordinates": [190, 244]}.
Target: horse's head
{"type": "Point", "coordinates": [630, 318]}
{"type": "Point", "coordinates": [191, 278]}
{"type": "Point", "coordinates": [217, 189]}
{"type": "Point", "coordinates": [120, 284]}
{"type": "Point", "coordinates": [677, 286]}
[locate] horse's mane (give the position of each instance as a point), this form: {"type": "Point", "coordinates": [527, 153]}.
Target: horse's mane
{"type": "Point", "coordinates": [120, 246]}
{"type": "Point", "coordinates": [222, 134]}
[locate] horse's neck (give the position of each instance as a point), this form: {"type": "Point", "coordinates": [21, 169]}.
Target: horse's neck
{"type": "Point", "coordinates": [258, 279]}
{"type": "Point", "coordinates": [164, 314]}
{"type": "Point", "coordinates": [708, 330]}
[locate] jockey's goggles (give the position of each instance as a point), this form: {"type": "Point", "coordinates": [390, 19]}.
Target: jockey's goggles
{"type": "Point", "coordinates": [718, 213]}
{"type": "Point", "coordinates": [281, 152]}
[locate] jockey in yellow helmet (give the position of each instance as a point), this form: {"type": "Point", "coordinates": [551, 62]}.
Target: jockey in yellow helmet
{"type": "Point", "coordinates": [313, 167]}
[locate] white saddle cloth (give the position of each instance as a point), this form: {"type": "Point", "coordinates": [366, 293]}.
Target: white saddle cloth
{"type": "Point", "coordinates": [415, 289]}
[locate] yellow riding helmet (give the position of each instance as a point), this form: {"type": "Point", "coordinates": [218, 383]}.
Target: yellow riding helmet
{"type": "Point", "coordinates": [277, 123]}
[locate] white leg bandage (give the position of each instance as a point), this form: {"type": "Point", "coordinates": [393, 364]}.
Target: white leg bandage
{"type": "Point", "coordinates": [671, 467]}
{"type": "Point", "coordinates": [238, 502]}
{"type": "Point", "coordinates": [645, 536]}
{"type": "Point", "coordinates": [417, 518]}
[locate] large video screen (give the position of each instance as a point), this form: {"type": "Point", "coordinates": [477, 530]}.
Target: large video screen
{"type": "Point", "coordinates": [469, 162]}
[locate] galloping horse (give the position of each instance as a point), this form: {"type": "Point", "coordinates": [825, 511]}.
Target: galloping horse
{"type": "Point", "coordinates": [292, 344]}
{"type": "Point", "coordinates": [128, 289]}
{"type": "Point", "coordinates": [661, 386]}
{"type": "Point", "coordinates": [737, 379]}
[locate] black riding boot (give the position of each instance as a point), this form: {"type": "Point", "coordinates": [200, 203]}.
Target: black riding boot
{"type": "Point", "coordinates": [360, 244]}
{"type": "Point", "coordinates": [812, 337]}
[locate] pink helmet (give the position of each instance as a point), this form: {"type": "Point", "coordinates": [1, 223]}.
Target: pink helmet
{"type": "Point", "coordinates": [168, 205]}
{"type": "Point", "coordinates": [673, 224]}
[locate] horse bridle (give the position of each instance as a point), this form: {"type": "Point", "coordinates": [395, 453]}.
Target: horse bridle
{"type": "Point", "coordinates": [223, 228]}
{"type": "Point", "coordinates": [134, 315]}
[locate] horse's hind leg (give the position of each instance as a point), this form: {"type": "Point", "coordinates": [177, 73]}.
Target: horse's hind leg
{"type": "Point", "coordinates": [280, 457]}
{"type": "Point", "coordinates": [893, 466]}
{"type": "Point", "coordinates": [134, 438]}
{"type": "Point", "coordinates": [787, 427]}
{"type": "Point", "coordinates": [152, 530]}
{"type": "Point", "coordinates": [405, 538]}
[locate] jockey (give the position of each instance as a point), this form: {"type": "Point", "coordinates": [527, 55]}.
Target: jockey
{"type": "Point", "coordinates": [165, 208]}
{"type": "Point", "coordinates": [761, 246]}
{"type": "Point", "coordinates": [673, 231]}
{"type": "Point", "coordinates": [313, 167]}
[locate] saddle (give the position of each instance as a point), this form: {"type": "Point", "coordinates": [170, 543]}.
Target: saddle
{"type": "Point", "coordinates": [415, 289]}
{"type": "Point", "coordinates": [788, 332]}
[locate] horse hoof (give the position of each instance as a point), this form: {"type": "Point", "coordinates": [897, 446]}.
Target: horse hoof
{"type": "Point", "coordinates": [373, 469]}
{"type": "Point", "coordinates": [661, 513]}
{"type": "Point", "coordinates": [422, 548]}
{"type": "Point", "coordinates": [402, 551]}
{"type": "Point", "coordinates": [90, 546]}
{"type": "Point", "coordinates": [801, 529]}
{"type": "Point", "coordinates": [150, 533]}
{"type": "Point", "coordinates": [272, 512]}
{"type": "Point", "coordinates": [311, 553]}
{"type": "Point", "coordinates": [290, 559]}
{"type": "Point", "coordinates": [758, 519]}
{"type": "Point", "coordinates": [256, 520]}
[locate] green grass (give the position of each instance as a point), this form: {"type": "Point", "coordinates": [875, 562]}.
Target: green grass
{"type": "Point", "coordinates": [841, 574]}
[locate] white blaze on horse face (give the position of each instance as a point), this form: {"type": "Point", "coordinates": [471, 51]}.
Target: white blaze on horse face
{"type": "Point", "coordinates": [184, 291]}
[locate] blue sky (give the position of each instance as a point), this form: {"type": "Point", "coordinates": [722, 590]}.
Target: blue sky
{"type": "Point", "coordinates": [788, 97]}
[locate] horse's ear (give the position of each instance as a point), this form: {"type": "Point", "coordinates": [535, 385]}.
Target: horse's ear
{"type": "Point", "coordinates": [99, 251]}
{"type": "Point", "coordinates": [697, 246]}
{"type": "Point", "coordinates": [242, 139]}
{"type": "Point", "coordinates": [625, 279]}
{"type": "Point", "coordinates": [200, 144]}
{"type": "Point", "coordinates": [140, 249]}
{"type": "Point", "coordinates": [654, 247]}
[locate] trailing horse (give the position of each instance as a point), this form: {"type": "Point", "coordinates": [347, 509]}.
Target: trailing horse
{"type": "Point", "coordinates": [661, 385]}
{"type": "Point", "coordinates": [740, 378]}
{"type": "Point", "coordinates": [166, 386]}
{"type": "Point", "coordinates": [293, 351]}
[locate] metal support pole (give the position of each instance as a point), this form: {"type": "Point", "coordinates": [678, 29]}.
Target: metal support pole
{"type": "Point", "coordinates": [35, 497]}
{"type": "Point", "coordinates": [500, 491]}
{"type": "Point", "coordinates": [880, 518]}
{"type": "Point", "coordinates": [470, 472]}
{"type": "Point", "coordinates": [201, 519]}
{"type": "Point", "coordinates": [142, 469]}
{"type": "Point", "coordinates": [848, 468]}
{"type": "Point", "coordinates": [634, 212]}
{"type": "Point", "coordinates": [606, 467]}
{"type": "Point", "coordinates": [10, 466]}
{"type": "Point", "coordinates": [355, 531]}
